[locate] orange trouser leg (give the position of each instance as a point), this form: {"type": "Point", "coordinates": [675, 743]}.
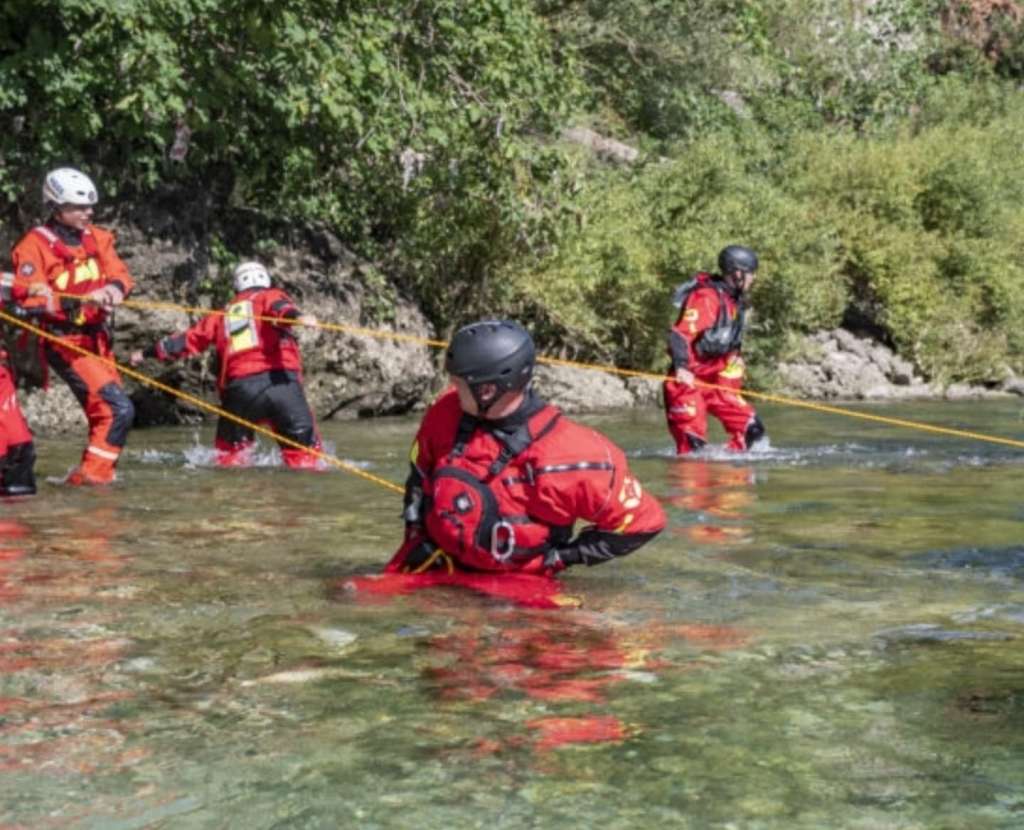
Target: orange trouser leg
{"type": "Point", "coordinates": [732, 410]}
{"type": "Point", "coordinates": [13, 427]}
{"type": "Point", "coordinates": [686, 415]}
{"type": "Point", "coordinates": [108, 409]}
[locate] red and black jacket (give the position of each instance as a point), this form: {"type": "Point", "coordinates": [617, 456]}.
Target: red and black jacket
{"type": "Point", "coordinates": [252, 335]}
{"type": "Point", "coordinates": [709, 329]}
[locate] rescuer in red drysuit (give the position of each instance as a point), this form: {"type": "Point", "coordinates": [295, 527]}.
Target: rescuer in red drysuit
{"type": "Point", "coordinates": [17, 450]}
{"type": "Point", "coordinates": [499, 477]}
{"type": "Point", "coordinates": [260, 368]}
{"type": "Point", "coordinates": [704, 345]}
{"type": "Point", "coordinates": [68, 271]}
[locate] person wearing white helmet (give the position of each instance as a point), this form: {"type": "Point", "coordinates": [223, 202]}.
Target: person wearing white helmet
{"type": "Point", "coordinates": [260, 367]}
{"type": "Point", "coordinates": [68, 272]}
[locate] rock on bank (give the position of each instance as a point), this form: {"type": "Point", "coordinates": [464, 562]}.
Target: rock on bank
{"type": "Point", "coordinates": [356, 370]}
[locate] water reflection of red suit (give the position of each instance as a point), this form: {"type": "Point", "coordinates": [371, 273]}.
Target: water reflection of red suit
{"type": "Point", "coordinates": [60, 727]}
{"type": "Point", "coordinates": [75, 564]}
{"type": "Point", "coordinates": [11, 551]}
{"type": "Point", "coordinates": [569, 658]}
{"type": "Point", "coordinates": [721, 493]}
{"type": "Point", "coordinates": [549, 657]}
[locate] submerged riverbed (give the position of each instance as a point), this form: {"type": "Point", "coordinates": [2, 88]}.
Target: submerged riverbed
{"type": "Point", "coordinates": [830, 633]}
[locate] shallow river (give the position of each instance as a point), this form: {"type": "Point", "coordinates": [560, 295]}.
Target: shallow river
{"type": "Point", "coordinates": [829, 634]}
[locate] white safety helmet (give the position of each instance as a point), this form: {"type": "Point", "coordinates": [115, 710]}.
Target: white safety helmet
{"type": "Point", "coordinates": [251, 275]}
{"type": "Point", "coordinates": [67, 186]}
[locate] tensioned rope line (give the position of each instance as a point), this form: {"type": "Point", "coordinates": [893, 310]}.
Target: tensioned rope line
{"type": "Point", "coordinates": [163, 387]}
{"type": "Point", "coordinates": [815, 407]}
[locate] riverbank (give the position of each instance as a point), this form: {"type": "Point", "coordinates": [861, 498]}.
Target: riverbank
{"type": "Point", "coordinates": [375, 359]}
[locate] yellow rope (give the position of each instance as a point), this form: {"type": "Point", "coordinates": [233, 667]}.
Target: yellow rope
{"type": "Point", "coordinates": [223, 413]}
{"type": "Point", "coordinates": [817, 407]}
{"type": "Point", "coordinates": [554, 361]}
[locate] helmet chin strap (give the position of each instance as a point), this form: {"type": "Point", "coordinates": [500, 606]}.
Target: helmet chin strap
{"type": "Point", "coordinates": [735, 285]}
{"type": "Point", "coordinates": [482, 404]}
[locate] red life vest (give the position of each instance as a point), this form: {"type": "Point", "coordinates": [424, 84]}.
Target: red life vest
{"type": "Point", "coordinates": [248, 343]}
{"type": "Point", "coordinates": [726, 335]}
{"type": "Point", "coordinates": [479, 506]}
{"type": "Point", "coordinates": [87, 314]}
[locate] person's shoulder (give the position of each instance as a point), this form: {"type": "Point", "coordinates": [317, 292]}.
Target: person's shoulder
{"type": "Point", "coordinates": [30, 239]}
{"type": "Point", "coordinates": [707, 284]}
{"type": "Point", "coordinates": [443, 413]}
{"type": "Point", "coordinates": [103, 236]}
{"type": "Point", "coordinates": [445, 404]}
{"type": "Point", "coordinates": [569, 437]}
{"type": "Point", "coordinates": [264, 297]}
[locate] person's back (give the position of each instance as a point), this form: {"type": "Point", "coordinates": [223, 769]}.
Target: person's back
{"type": "Point", "coordinates": [260, 377]}
{"type": "Point", "coordinates": [499, 477]}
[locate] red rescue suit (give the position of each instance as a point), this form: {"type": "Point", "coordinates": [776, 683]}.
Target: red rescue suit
{"type": "Point", "coordinates": [17, 450]}
{"type": "Point", "coordinates": [498, 495]}
{"type": "Point", "coordinates": [260, 373]}
{"type": "Point", "coordinates": [706, 340]}
{"type": "Point", "coordinates": [51, 262]}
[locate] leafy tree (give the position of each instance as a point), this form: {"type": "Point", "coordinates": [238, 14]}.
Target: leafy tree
{"type": "Point", "coordinates": [390, 121]}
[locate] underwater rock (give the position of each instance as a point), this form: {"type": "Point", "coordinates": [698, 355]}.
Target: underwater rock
{"type": "Point", "coordinates": [1010, 613]}
{"type": "Point", "coordinates": [930, 633]}
{"type": "Point", "coordinates": [991, 562]}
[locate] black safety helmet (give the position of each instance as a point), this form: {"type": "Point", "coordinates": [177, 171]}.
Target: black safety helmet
{"type": "Point", "coordinates": [491, 351]}
{"type": "Point", "coordinates": [736, 258]}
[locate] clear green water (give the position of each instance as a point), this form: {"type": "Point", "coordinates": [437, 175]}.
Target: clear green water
{"type": "Point", "coordinates": [830, 634]}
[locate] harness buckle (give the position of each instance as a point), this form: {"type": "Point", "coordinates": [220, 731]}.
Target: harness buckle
{"type": "Point", "coordinates": [503, 540]}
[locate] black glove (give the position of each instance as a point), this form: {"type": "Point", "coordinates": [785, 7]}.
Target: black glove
{"type": "Point", "coordinates": [424, 554]}
{"type": "Point", "coordinates": [561, 558]}
{"type": "Point", "coordinates": [593, 546]}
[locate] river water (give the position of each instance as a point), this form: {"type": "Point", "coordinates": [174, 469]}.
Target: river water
{"type": "Point", "coordinates": [830, 633]}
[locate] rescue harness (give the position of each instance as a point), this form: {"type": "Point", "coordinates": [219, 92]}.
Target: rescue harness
{"type": "Point", "coordinates": [726, 335]}
{"type": "Point", "coordinates": [479, 515]}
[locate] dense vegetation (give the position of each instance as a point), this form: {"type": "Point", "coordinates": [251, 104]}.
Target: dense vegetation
{"type": "Point", "coordinates": [870, 151]}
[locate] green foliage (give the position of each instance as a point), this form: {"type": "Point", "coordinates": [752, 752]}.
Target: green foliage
{"type": "Point", "coordinates": [386, 120]}
{"type": "Point", "coordinates": [675, 69]}
{"type": "Point", "coordinates": [868, 151]}
{"type": "Point", "coordinates": [611, 281]}
{"type": "Point", "coordinates": [914, 236]}
{"type": "Point", "coordinates": [654, 63]}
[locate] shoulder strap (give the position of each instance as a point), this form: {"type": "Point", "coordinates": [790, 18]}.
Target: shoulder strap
{"type": "Point", "coordinates": [515, 443]}
{"type": "Point", "coordinates": [89, 242]}
{"type": "Point", "coordinates": [683, 291]}
{"type": "Point", "coordinates": [50, 238]}
{"type": "Point", "coordinates": [60, 249]}
{"type": "Point", "coordinates": [464, 431]}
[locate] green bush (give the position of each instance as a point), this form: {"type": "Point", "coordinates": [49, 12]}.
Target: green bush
{"type": "Point", "coordinates": [388, 121]}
